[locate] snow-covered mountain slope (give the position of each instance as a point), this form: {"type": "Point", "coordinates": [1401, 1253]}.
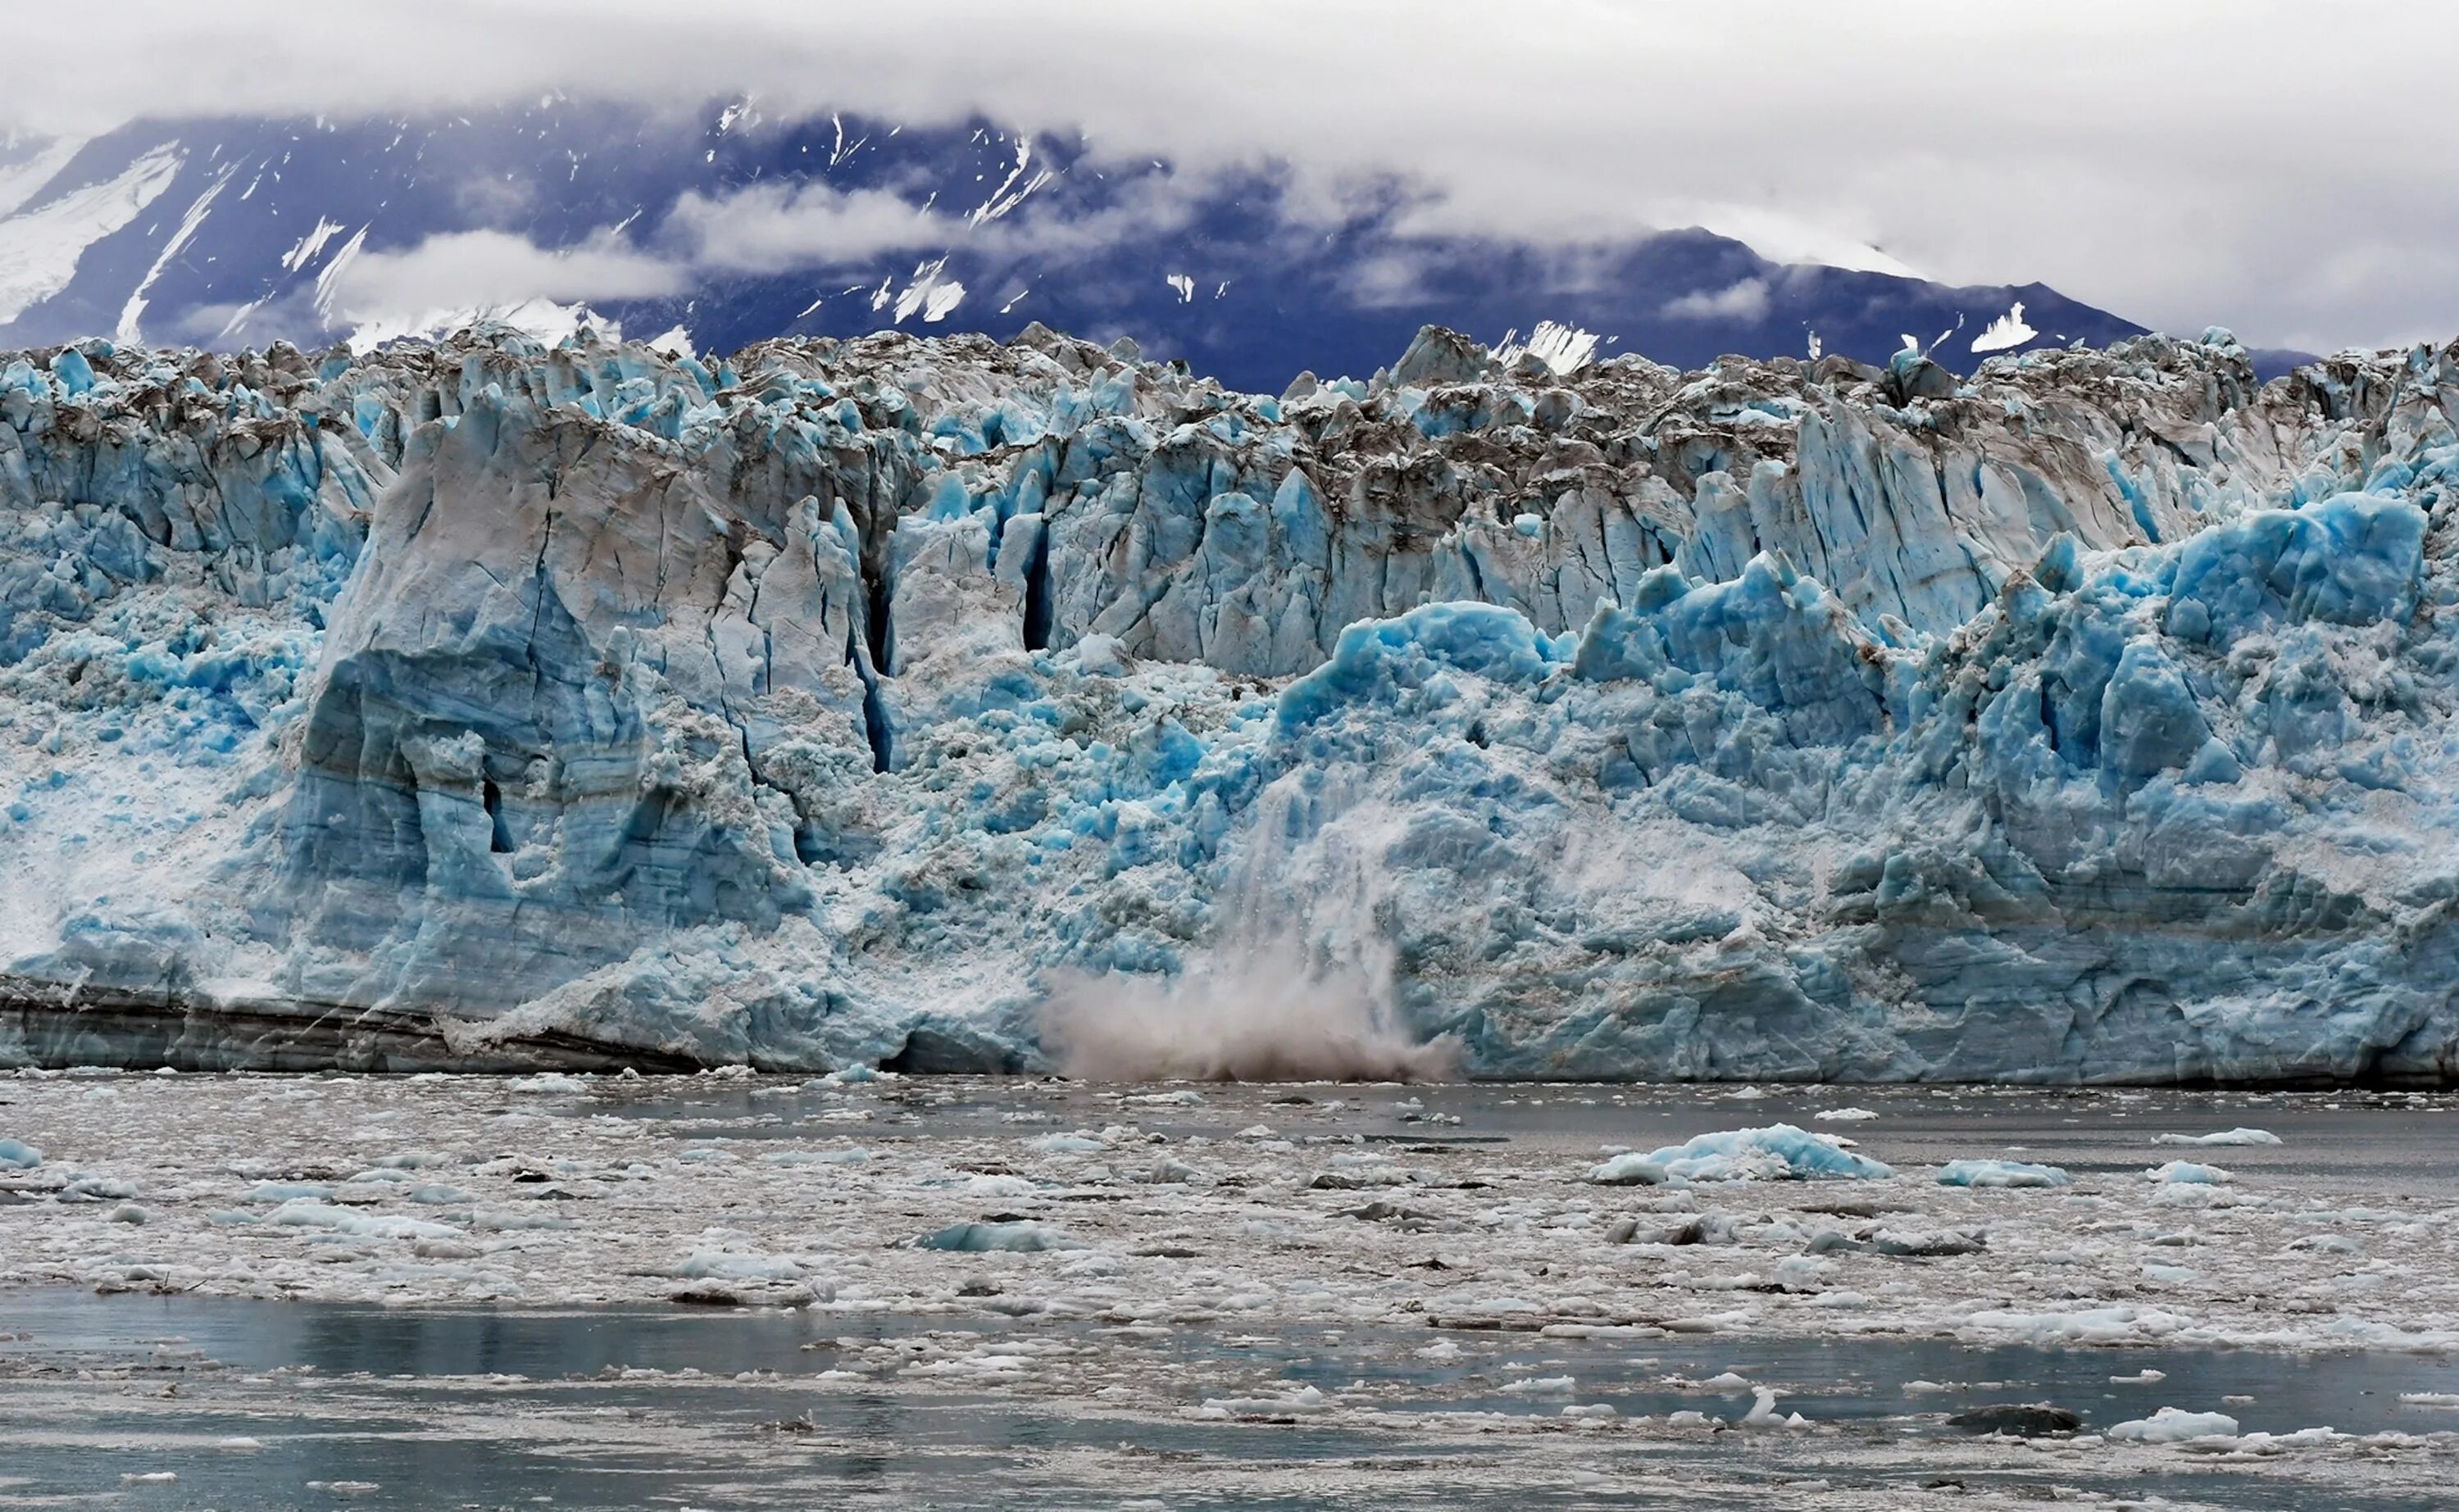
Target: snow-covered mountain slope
{"type": "Point", "coordinates": [896, 700]}
{"type": "Point", "coordinates": [732, 227]}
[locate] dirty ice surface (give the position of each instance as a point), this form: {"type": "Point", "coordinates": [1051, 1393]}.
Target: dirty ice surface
{"type": "Point", "coordinates": [604, 1286]}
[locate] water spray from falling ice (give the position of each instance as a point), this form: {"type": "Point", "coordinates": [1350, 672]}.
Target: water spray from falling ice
{"type": "Point", "coordinates": [1298, 985]}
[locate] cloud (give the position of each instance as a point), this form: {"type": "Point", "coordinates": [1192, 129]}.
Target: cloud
{"type": "Point", "coordinates": [1745, 301]}
{"type": "Point", "coordinates": [1393, 275]}
{"type": "Point", "coordinates": [780, 228]}
{"type": "Point", "coordinates": [468, 270]}
{"type": "Point", "coordinates": [1155, 205]}
{"type": "Point", "coordinates": [2185, 162]}
{"type": "Point", "coordinates": [759, 229]}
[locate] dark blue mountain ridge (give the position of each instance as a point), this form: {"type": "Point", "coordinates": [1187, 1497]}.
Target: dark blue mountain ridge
{"type": "Point", "coordinates": [734, 227]}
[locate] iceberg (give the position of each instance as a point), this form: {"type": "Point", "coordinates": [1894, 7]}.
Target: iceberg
{"type": "Point", "coordinates": [2173, 1425]}
{"type": "Point", "coordinates": [1629, 1169]}
{"type": "Point", "coordinates": [1779, 1152]}
{"type": "Point", "coordinates": [307, 1213]}
{"type": "Point", "coordinates": [486, 704]}
{"type": "Point", "coordinates": [1983, 1173]}
{"type": "Point", "coordinates": [2187, 1173]}
{"type": "Point", "coordinates": [985, 1238]}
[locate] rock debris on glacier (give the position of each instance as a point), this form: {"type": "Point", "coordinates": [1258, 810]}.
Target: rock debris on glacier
{"type": "Point", "coordinates": [485, 704]}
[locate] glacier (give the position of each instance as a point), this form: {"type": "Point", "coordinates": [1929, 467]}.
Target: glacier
{"type": "Point", "coordinates": [487, 704]}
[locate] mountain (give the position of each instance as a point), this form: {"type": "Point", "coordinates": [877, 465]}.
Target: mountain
{"type": "Point", "coordinates": [728, 227]}
{"type": "Point", "coordinates": [2275, 362]}
{"type": "Point", "coordinates": [945, 704]}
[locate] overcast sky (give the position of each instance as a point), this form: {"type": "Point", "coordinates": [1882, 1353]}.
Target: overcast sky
{"type": "Point", "coordinates": [2287, 167]}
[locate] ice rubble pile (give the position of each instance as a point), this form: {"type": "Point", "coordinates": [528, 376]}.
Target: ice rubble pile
{"type": "Point", "coordinates": [492, 703]}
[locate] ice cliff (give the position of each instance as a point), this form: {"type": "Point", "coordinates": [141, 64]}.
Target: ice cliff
{"type": "Point", "coordinates": [484, 704]}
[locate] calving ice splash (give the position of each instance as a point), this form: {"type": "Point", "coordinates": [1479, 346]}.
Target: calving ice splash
{"type": "Point", "coordinates": [955, 706]}
{"type": "Point", "coordinates": [1298, 983]}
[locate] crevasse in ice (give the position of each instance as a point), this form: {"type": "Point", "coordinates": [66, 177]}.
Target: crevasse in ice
{"type": "Point", "coordinates": [842, 702]}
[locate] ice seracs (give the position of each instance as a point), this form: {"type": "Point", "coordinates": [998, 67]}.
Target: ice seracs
{"type": "Point", "coordinates": [1562, 347]}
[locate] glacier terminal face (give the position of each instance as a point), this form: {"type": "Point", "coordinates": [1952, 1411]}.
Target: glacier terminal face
{"type": "Point", "coordinates": [883, 702]}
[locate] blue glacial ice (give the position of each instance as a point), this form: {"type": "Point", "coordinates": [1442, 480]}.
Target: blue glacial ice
{"type": "Point", "coordinates": [1995, 1173]}
{"type": "Point", "coordinates": [984, 1238]}
{"type": "Point", "coordinates": [1779, 1152]}
{"type": "Point", "coordinates": [2233, 1136]}
{"type": "Point", "coordinates": [951, 705]}
{"type": "Point", "coordinates": [2188, 1173]}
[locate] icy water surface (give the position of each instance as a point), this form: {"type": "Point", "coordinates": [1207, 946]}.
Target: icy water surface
{"type": "Point", "coordinates": [251, 1403]}
{"type": "Point", "coordinates": [2408, 1138]}
{"type": "Point", "coordinates": [707, 1291]}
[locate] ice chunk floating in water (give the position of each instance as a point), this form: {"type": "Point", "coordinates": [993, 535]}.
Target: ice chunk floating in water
{"type": "Point", "coordinates": [2188, 1173]}
{"type": "Point", "coordinates": [1631, 1168]}
{"type": "Point", "coordinates": [2176, 1425]}
{"type": "Point", "coordinates": [2000, 1173]}
{"type": "Point", "coordinates": [981, 1238]}
{"type": "Point", "coordinates": [1779, 1152]}
{"type": "Point", "coordinates": [2235, 1136]}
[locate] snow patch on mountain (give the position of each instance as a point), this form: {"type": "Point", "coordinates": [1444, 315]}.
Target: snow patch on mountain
{"type": "Point", "coordinates": [546, 320]}
{"type": "Point", "coordinates": [40, 245]}
{"type": "Point", "coordinates": [132, 313]}
{"type": "Point", "coordinates": [1789, 237]}
{"type": "Point", "coordinates": [2005, 333]}
{"type": "Point", "coordinates": [33, 169]}
{"type": "Point", "coordinates": [303, 251]}
{"type": "Point", "coordinates": [931, 291]}
{"type": "Point", "coordinates": [1010, 194]}
{"type": "Point", "coordinates": [328, 283]}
